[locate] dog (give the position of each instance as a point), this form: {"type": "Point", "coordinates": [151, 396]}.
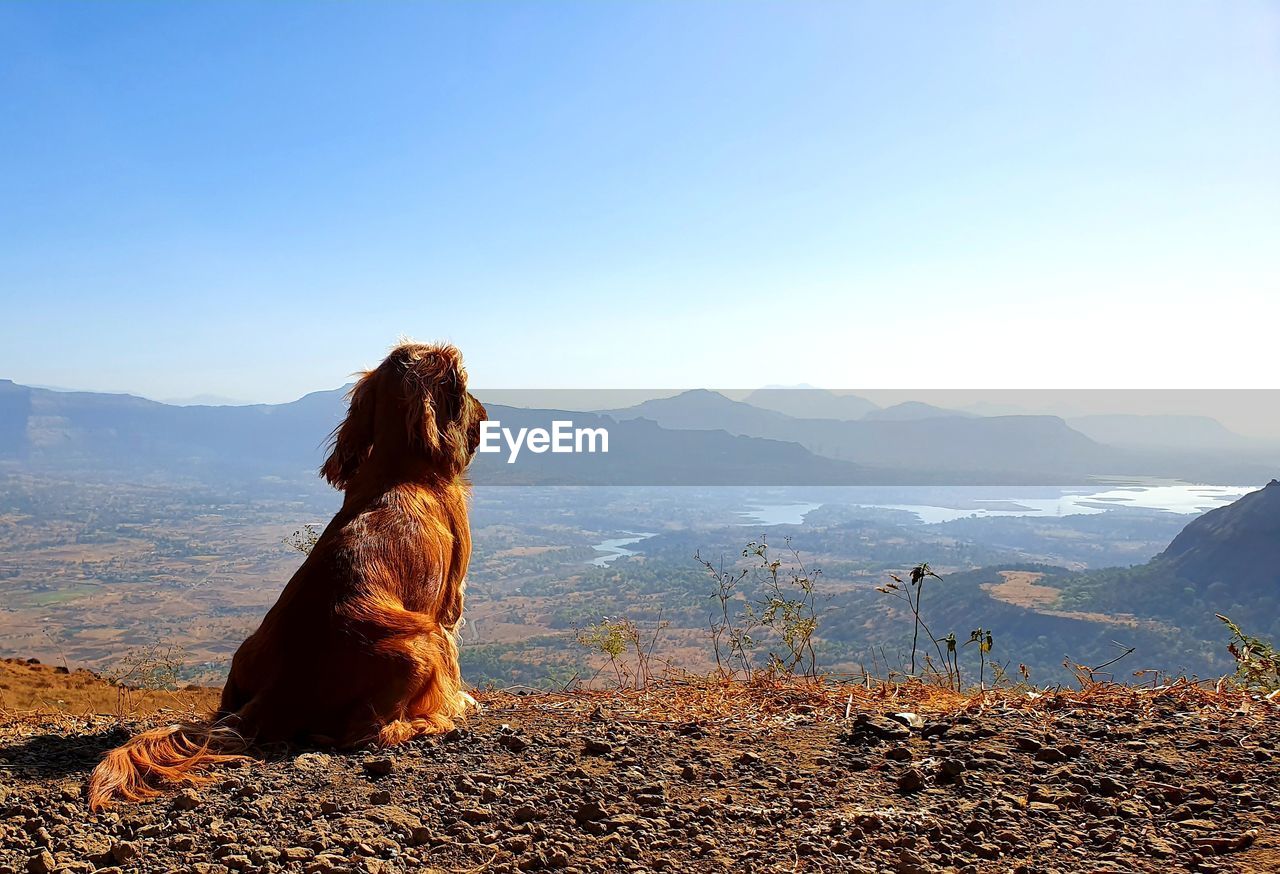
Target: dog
{"type": "Point", "coordinates": [360, 646]}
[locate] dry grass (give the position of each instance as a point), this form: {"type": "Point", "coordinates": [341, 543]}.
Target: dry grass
{"type": "Point", "coordinates": [768, 700]}
{"type": "Point", "coordinates": [28, 689]}
{"type": "Point", "coordinates": [43, 692]}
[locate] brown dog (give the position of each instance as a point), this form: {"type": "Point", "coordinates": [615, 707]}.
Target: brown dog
{"type": "Point", "coordinates": [360, 645]}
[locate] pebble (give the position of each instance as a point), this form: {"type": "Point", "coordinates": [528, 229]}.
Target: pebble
{"type": "Point", "coordinates": [379, 767]}
{"type": "Point", "coordinates": [911, 780]}
{"type": "Point", "coordinates": [597, 746]}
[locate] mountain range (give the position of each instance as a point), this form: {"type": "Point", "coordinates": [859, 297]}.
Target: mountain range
{"type": "Point", "coordinates": [694, 438]}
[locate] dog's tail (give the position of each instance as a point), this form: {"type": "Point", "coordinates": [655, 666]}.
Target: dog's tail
{"type": "Point", "coordinates": [176, 755]}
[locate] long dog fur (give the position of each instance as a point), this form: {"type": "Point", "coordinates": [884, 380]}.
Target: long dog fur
{"type": "Point", "coordinates": [360, 647]}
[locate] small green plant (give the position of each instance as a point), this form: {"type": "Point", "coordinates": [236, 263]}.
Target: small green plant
{"type": "Point", "coordinates": [1257, 661]}
{"type": "Point", "coordinates": [910, 592]}
{"type": "Point", "coordinates": [982, 637]}
{"type": "Point", "coordinates": [730, 639]}
{"type": "Point", "coordinates": [629, 650]}
{"type": "Point", "coordinates": [773, 597]}
{"type": "Point", "coordinates": [788, 607]}
{"type": "Point", "coordinates": [948, 648]}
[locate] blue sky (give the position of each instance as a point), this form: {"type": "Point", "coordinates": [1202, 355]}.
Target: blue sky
{"type": "Point", "coordinates": [254, 200]}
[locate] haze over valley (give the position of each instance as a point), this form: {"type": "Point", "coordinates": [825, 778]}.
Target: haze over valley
{"type": "Point", "coordinates": [126, 524]}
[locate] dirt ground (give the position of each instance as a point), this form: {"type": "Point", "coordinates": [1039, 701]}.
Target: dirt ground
{"type": "Point", "coordinates": [697, 778]}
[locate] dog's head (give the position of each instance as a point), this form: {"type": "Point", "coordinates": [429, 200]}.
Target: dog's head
{"type": "Point", "coordinates": [414, 403]}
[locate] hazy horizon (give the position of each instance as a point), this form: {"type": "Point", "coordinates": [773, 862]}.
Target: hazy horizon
{"type": "Point", "coordinates": [1250, 413]}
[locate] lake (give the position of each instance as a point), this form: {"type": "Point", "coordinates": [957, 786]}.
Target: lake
{"type": "Point", "coordinates": [935, 505]}
{"type": "Point", "coordinates": [617, 548]}
{"type": "Point", "coordinates": [959, 502]}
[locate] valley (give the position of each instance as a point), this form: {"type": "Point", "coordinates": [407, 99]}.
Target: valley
{"type": "Point", "coordinates": [95, 570]}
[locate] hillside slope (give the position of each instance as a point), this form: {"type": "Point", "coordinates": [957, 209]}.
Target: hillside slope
{"type": "Point", "coordinates": [26, 685]}
{"type": "Point", "coordinates": [1239, 543]}
{"type": "Point", "coordinates": [1226, 561]}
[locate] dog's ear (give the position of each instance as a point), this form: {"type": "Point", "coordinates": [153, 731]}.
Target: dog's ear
{"type": "Point", "coordinates": [353, 439]}
{"type": "Point", "coordinates": [440, 421]}
{"type": "Point", "coordinates": [441, 390]}
{"type": "Point", "coordinates": [476, 414]}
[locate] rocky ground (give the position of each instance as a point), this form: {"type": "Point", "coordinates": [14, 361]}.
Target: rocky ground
{"type": "Point", "coordinates": [683, 780]}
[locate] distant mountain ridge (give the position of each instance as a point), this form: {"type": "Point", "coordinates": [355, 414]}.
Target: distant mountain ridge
{"type": "Point", "coordinates": [1177, 432]}
{"type": "Point", "coordinates": [1022, 444]}
{"type": "Point", "coordinates": [909, 411]}
{"type": "Point", "coordinates": [811, 403]}
{"type": "Point", "coordinates": [77, 431]}
{"type": "Point", "coordinates": [926, 439]}
{"type": "Point", "coordinates": [694, 438]}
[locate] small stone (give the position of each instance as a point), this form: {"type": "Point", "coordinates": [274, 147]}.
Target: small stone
{"type": "Point", "coordinates": [623, 820]}
{"type": "Point", "coordinates": [187, 799]}
{"type": "Point", "coordinates": [899, 754]}
{"type": "Point", "coordinates": [313, 761]}
{"type": "Point", "coordinates": [379, 767]}
{"type": "Point", "coordinates": [327, 863]}
{"type": "Point", "coordinates": [513, 742]}
{"type": "Point", "coordinates": [1051, 755]}
{"type": "Point", "coordinates": [911, 780]}
{"type": "Point", "coordinates": [263, 855]}
{"type": "Point", "coordinates": [597, 746]}
{"type": "Point", "coordinates": [880, 727]}
{"type": "Point", "coordinates": [1109, 785]}
{"type": "Point", "coordinates": [42, 863]}
{"type": "Point", "coordinates": [590, 811]}
{"type": "Point", "coordinates": [911, 863]}
{"type": "Point", "coordinates": [125, 851]}
{"type": "Point", "coordinates": [525, 813]}
{"type": "Point", "coordinates": [380, 796]}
